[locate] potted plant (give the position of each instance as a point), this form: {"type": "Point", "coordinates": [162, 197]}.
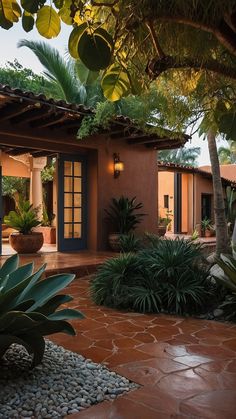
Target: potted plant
{"type": "Point", "coordinates": [164, 223]}
{"type": "Point", "coordinates": [46, 227]}
{"type": "Point", "coordinates": [24, 220]}
{"type": "Point", "coordinates": [123, 218]}
{"type": "Point", "coordinates": [207, 227]}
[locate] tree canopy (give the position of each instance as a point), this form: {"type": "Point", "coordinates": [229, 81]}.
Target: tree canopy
{"type": "Point", "coordinates": [132, 42]}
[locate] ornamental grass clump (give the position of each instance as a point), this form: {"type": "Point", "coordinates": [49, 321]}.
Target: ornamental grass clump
{"type": "Point", "coordinates": [169, 276]}
{"type": "Point", "coordinates": [29, 307]}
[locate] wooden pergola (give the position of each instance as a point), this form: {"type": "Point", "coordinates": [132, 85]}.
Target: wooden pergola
{"type": "Point", "coordinates": [33, 124]}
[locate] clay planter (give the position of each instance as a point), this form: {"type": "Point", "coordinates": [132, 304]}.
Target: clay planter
{"type": "Point", "coordinates": [26, 243]}
{"type": "Point", "coordinates": [49, 234]}
{"type": "Point", "coordinates": [161, 230]}
{"type": "Point", "coordinates": [114, 241]}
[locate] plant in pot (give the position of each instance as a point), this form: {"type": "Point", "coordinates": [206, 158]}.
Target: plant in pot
{"type": "Point", "coordinates": [207, 227]}
{"type": "Point", "coordinates": [165, 223]}
{"type": "Point", "coordinates": [122, 217]}
{"type": "Point", "coordinates": [24, 219]}
{"type": "Point", "coordinates": [46, 227]}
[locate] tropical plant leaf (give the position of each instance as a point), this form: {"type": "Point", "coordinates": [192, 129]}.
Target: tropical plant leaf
{"type": "Point", "coordinates": [115, 83]}
{"type": "Point", "coordinates": [74, 39]}
{"type": "Point", "coordinates": [51, 305]}
{"type": "Point", "coordinates": [86, 76]}
{"type": "Point", "coordinates": [48, 22]}
{"type": "Point", "coordinates": [31, 6]}
{"type": "Point", "coordinates": [18, 275]}
{"type": "Point", "coordinates": [9, 265]}
{"type": "Point", "coordinates": [67, 313]}
{"type": "Point", "coordinates": [94, 51]}
{"type": "Point", "coordinates": [65, 12]}
{"type": "Point", "coordinates": [27, 22]}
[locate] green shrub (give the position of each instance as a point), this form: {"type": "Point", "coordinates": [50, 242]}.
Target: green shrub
{"type": "Point", "coordinates": [169, 276]}
{"type": "Point", "coordinates": [129, 243]}
{"type": "Point", "coordinates": [227, 278]}
{"type": "Point", "coordinates": [29, 307]}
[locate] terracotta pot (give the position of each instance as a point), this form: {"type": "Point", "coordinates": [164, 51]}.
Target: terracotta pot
{"type": "Point", "coordinates": [114, 241]}
{"type": "Point", "coordinates": [49, 234]}
{"type": "Point", "coordinates": [161, 230]}
{"type": "Point", "coordinates": [26, 243]}
{"type": "Point", "coordinates": [208, 233]}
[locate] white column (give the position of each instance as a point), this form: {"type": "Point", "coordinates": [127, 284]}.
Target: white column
{"type": "Point", "coordinates": [36, 187]}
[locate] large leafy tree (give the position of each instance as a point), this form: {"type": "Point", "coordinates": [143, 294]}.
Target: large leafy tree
{"type": "Point", "coordinates": [123, 38]}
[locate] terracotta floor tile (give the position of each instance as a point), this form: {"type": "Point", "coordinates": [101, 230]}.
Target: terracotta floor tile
{"type": "Point", "coordinates": [145, 337]}
{"type": "Point", "coordinates": [125, 326]}
{"type": "Point", "coordinates": [179, 362]}
{"type": "Point", "coordinates": [157, 350]}
{"type": "Point", "coordinates": [215, 352]}
{"type": "Point", "coordinates": [218, 404]}
{"type": "Point", "coordinates": [125, 356]}
{"type": "Point", "coordinates": [192, 360]}
{"type": "Point", "coordinates": [121, 408]}
{"type": "Point", "coordinates": [183, 385]}
{"type": "Point", "coordinates": [157, 400]}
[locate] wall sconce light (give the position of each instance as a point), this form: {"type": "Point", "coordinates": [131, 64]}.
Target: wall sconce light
{"type": "Point", "coordinates": [118, 165]}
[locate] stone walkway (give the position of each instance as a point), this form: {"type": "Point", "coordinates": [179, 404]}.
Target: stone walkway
{"type": "Point", "coordinates": [186, 367]}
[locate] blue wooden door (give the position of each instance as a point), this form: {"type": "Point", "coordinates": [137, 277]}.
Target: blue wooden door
{"type": "Point", "coordinates": [72, 203]}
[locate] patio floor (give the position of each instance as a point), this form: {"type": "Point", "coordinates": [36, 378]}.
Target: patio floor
{"type": "Point", "coordinates": [80, 263]}
{"type": "Point", "coordinates": [186, 367]}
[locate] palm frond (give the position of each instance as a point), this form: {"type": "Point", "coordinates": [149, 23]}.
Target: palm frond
{"type": "Point", "coordinates": [57, 70]}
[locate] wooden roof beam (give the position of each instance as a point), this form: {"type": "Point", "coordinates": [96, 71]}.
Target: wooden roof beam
{"type": "Point", "coordinates": [31, 115]}
{"type": "Point", "coordinates": [19, 151]}
{"type": "Point", "coordinates": [142, 140]}
{"type": "Point", "coordinates": [50, 120]}
{"type": "Point", "coordinates": [11, 110]}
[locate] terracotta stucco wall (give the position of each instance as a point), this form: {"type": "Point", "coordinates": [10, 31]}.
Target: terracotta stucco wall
{"type": "Point", "coordinates": [12, 167]}
{"type": "Point", "coordinates": [166, 187]}
{"type": "Point", "coordinates": [201, 185]}
{"type": "Point", "coordinates": [227, 171]}
{"type": "Point", "coordinates": [138, 179]}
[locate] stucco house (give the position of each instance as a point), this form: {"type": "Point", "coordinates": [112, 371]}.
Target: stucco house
{"type": "Point", "coordinates": [33, 128]}
{"type": "Point", "coordinates": [186, 195]}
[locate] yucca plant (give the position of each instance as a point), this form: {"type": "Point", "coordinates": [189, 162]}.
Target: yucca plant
{"type": "Point", "coordinates": [24, 218]}
{"type": "Point", "coordinates": [123, 215]}
{"type": "Point", "coordinates": [29, 307]}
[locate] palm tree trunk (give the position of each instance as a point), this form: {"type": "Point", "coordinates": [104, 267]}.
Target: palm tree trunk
{"type": "Point", "coordinates": [222, 243]}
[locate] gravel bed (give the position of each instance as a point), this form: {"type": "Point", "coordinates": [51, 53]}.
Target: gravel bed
{"type": "Point", "coordinates": [65, 383]}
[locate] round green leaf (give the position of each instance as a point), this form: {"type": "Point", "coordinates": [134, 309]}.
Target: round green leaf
{"type": "Point", "coordinates": [27, 22]}
{"type": "Point", "coordinates": [4, 23]}
{"type": "Point", "coordinates": [94, 51]}
{"type": "Point", "coordinates": [65, 15]}
{"type": "Point", "coordinates": [115, 83]}
{"type": "Point", "coordinates": [74, 39]}
{"type": "Point", "coordinates": [31, 6]}
{"type": "Point", "coordinates": [58, 3]}
{"type": "Point", "coordinates": [105, 35]}
{"type": "Point", "coordinates": [86, 76]}
{"type": "Point", "coordinates": [48, 22]}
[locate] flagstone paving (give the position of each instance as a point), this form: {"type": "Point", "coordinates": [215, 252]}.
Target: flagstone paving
{"type": "Point", "coordinates": [186, 367]}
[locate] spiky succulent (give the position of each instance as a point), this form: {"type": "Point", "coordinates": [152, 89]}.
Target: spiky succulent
{"type": "Point", "coordinates": [29, 307]}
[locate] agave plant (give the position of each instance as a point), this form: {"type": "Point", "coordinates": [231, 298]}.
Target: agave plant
{"type": "Point", "coordinates": [29, 307]}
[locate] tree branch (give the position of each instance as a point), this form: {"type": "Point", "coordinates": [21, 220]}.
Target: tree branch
{"type": "Point", "coordinates": [157, 66]}
{"type": "Point", "coordinates": [224, 33]}
{"type": "Point", "coordinates": [155, 41]}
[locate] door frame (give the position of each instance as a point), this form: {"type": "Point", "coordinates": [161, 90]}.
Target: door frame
{"type": "Point", "coordinates": [73, 244]}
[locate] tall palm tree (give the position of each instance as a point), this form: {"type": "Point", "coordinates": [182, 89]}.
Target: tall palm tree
{"type": "Point", "coordinates": [227, 155]}
{"type": "Point", "coordinates": [70, 79]}
{"type": "Point", "coordinates": [184, 156]}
